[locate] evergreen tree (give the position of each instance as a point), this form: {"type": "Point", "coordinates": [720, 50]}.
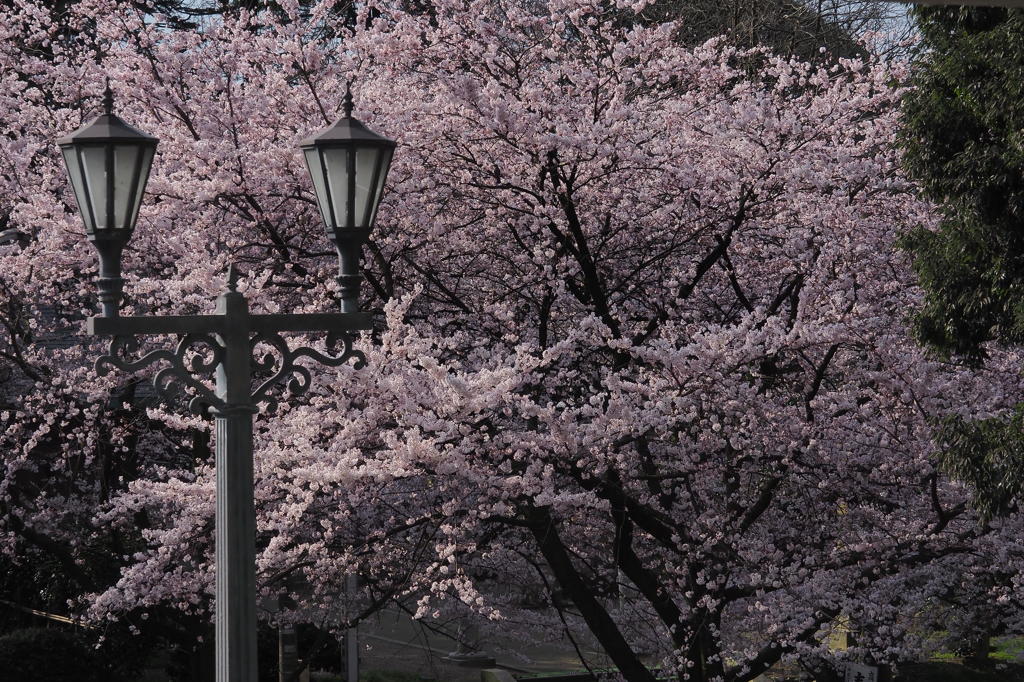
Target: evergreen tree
{"type": "Point", "coordinates": [964, 129]}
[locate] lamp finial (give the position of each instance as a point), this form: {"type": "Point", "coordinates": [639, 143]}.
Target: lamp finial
{"type": "Point", "coordinates": [108, 97]}
{"type": "Point", "coordinates": [232, 277]}
{"type": "Point", "coordinates": [347, 102]}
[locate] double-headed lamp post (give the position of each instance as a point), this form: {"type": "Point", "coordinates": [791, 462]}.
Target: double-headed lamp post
{"type": "Point", "coordinates": [108, 162]}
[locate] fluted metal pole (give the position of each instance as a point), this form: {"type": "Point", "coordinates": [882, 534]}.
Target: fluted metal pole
{"type": "Point", "coordinates": [236, 512]}
{"type": "Point", "coordinates": [234, 405]}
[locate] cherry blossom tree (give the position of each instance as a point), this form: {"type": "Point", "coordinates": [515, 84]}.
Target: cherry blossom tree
{"type": "Point", "coordinates": [642, 338]}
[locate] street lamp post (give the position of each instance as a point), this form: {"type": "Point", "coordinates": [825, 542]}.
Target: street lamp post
{"type": "Point", "coordinates": [108, 164]}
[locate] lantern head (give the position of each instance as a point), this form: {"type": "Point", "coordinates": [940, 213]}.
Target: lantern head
{"type": "Point", "coordinates": [348, 164]}
{"type": "Point", "coordinates": [108, 162]}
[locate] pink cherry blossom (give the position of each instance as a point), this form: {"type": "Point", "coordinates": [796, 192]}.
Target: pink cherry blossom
{"type": "Point", "coordinates": [642, 335]}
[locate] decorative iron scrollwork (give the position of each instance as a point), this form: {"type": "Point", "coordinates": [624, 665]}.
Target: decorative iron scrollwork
{"type": "Point", "coordinates": [195, 355]}
{"type": "Point", "coordinates": [284, 370]}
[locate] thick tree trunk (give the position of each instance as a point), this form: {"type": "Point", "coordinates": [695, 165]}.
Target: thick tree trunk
{"type": "Point", "coordinates": [597, 618]}
{"type": "Point", "coordinates": [978, 651]}
{"type": "Point", "coordinates": [708, 663]}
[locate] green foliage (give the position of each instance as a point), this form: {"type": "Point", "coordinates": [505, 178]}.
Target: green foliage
{"type": "Point", "coordinates": [973, 276]}
{"type": "Point", "coordinates": [964, 142]}
{"type": "Point", "coordinates": [954, 672]}
{"type": "Point", "coordinates": [47, 655]}
{"type": "Point", "coordinates": [1008, 649]}
{"type": "Point", "coordinates": [989, 455]}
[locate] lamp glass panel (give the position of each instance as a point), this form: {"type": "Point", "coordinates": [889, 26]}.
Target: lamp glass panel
{"type": "Point", "coordinates": [385, 165]}
{"type": "Point", "coordinates": [94, 163]}
{"type": "Point", "coordinates": [147, 161]}
{"type": "Point", "coordinates": [366, 164]}
{"type": "Point", "coordinates": [125, 157]}
{"type": "Point", "coordinates": [316, 173]}
{"type": "Point", "coordinates": [78, 184]}
{"type": "Point", "coordinates": [336, 166]}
